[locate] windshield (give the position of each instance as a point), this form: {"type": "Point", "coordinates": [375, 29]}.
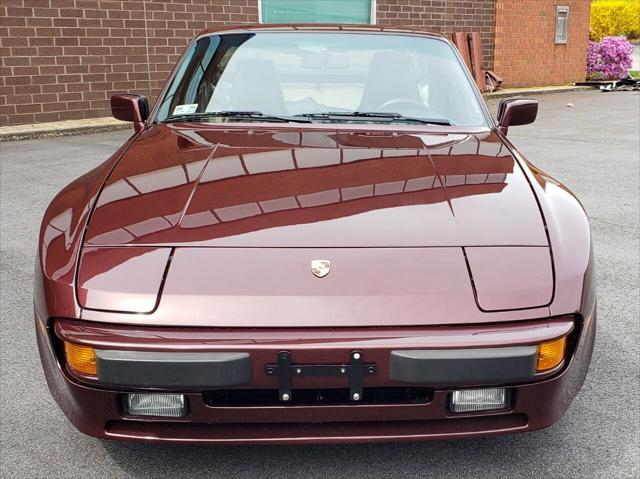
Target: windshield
{"type": "Point", "coordinates": [338, 77]}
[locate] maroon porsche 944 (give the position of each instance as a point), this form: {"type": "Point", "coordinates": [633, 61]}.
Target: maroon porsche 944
{"type": "Point", "coordinates": [317, 234]}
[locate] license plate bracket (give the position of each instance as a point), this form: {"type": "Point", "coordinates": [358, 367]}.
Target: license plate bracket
{"type": "Point", "coordinates": [356, 370]}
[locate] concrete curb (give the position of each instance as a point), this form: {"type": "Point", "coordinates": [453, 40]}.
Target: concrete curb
{"type": "Point", "coordinates": [61, 128]}
{"type": "Point", "coordinates": [99, 125]}
{"type": "Point", "coordinates": [520, 92]}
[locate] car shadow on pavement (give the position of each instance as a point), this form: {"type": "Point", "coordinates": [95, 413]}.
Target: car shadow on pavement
{"type": "Point", "coordinates": [455, 458]}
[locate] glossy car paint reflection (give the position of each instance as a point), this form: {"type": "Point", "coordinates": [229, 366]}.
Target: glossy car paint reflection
{"type": "Point", "coordinates": [60, 241]}
{"type": "Point", "coordinates": [316, 189]}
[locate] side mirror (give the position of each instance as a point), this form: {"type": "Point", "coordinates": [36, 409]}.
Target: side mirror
{"type": "Point", "coordinates": [133, 108]}
{"type": "Point", "coordinates": [512, 112]}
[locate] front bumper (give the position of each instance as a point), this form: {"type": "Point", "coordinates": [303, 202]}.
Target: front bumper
{"type": "Point", "coordinates": [96, 406]}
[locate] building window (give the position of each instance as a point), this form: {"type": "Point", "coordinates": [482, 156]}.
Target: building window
{"type": "Point", "coordinates": [562, 20]}
{"type": "Point", "coordinates": [317, 11]}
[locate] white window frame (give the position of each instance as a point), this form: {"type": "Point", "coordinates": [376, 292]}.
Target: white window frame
{"type": "Point", "coordinates": [372, 15]}
{"type": "Point", "coordinates": [559, 39]}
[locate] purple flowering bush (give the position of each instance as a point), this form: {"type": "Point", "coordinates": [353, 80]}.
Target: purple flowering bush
{"type": "Point", "coordinates": [609, 59]}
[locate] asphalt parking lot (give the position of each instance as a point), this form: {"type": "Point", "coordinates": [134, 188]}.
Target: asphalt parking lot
{"type": "Point", "coordinates": [593, 147]}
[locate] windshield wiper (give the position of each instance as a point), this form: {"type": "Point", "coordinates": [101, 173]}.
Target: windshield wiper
{"type": "Point", "coordinates": [383, 116]}
{"type": "Point", "coordinates": [252, 115]}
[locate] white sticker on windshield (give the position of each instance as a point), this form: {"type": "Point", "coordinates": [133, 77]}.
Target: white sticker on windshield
{"type": "Point", "coordinates": [185, 109]}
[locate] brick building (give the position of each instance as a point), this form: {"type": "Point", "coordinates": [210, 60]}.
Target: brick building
{"type": "Point", "coordinates": [62, 59]}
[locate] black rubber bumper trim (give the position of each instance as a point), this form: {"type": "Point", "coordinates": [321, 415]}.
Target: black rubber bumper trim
{"type": "Point", "coordinates": [172, 370]}
{"type": "Point", "coordinates": [463, 366]}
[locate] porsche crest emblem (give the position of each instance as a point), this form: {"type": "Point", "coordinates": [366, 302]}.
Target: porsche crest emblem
{"type": "Point", "coordinates": [320, 267]}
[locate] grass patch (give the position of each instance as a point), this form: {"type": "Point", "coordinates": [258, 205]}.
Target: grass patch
{"type": "Point", "coordinates": [635, 73]}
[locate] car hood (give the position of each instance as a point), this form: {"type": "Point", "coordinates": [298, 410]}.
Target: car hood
{"type": "Point", "coordinates": [235, 187]}
{"type": "Point", "coordinates": [220, 227]}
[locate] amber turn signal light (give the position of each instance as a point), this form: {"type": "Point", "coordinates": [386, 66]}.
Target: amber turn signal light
{"type": "Point", "coordinates": [550, 354]}
{"type": "Point", "coordinates": [82, 359]}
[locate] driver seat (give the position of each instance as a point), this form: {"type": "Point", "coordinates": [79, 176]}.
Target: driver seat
{"type": "Point", "coordinates": [256, 88]}
{"type": "Point", "coordinates": [391, 77]}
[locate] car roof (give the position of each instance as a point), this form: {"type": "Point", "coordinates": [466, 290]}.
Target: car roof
{"type": "Point", "coordinates": [317, 27]}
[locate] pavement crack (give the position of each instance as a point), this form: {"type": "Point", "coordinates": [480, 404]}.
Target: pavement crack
{"type": "Point", "coordinates": [635, 228]}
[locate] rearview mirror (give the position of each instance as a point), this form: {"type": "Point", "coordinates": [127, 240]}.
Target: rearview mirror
{"type": "Point", "coordinates": [512, 112]}
{"type": "Point", "coordinates": [133, 108]}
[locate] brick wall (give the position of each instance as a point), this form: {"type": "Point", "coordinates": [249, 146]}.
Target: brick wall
{"type": "Point", "coordinates": [525, 53]}
{"type": "Point", "coordinates": [63, 59]}
{"type": "Point", "coordinates": [443, 16]}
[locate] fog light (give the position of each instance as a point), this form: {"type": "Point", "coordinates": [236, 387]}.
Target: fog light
{"type": "Point", "coordinates": [550, 354]}
{"type": "Point", "coordinates": [470, 400]}
{"type": "Point", "coordinates": [81, 359]}
{"type": "Point", "coordinates": [165, 405]}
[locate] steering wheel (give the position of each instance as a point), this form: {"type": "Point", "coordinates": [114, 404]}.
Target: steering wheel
{"type": "Point", "coordinates": [404, 101]}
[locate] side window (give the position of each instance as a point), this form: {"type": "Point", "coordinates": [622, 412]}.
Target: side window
{"type": "Point", "coordinates": [163, 111]}
{"type": "Point", "coordinates": [187, 83]}
{"type": "Point", "coordinates": [194, 85]}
